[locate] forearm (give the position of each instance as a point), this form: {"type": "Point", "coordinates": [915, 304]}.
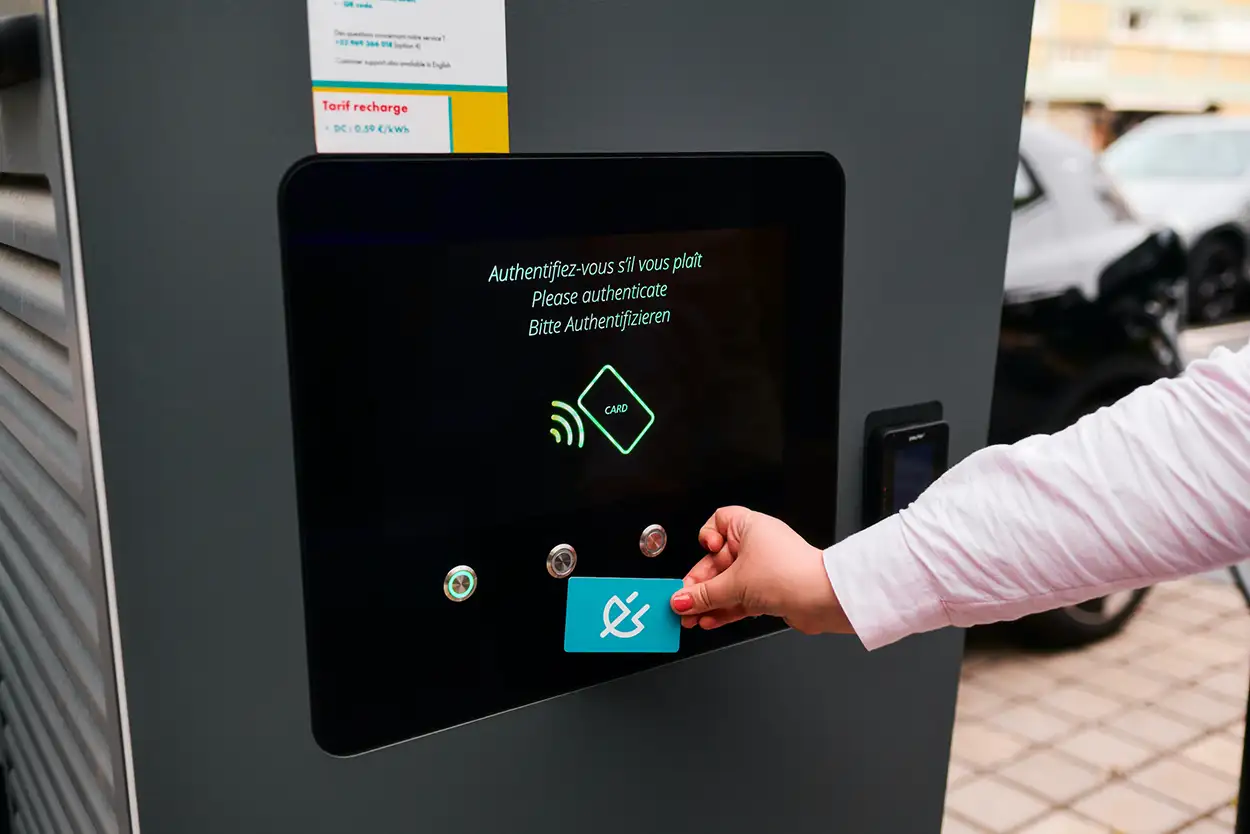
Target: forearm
{"type": "Point", "coordinates": [1152, 488]}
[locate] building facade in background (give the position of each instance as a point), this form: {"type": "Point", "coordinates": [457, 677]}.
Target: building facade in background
{"type": "Point", "coordinates": [1097, 67]}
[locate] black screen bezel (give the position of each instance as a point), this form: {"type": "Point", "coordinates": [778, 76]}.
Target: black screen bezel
{"type": "Point", "coordinates": [472, 198]}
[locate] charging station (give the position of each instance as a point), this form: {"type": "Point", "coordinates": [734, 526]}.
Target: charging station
{"type": "Point", "coordinates": [336, 491]}
{"type": "Point", "coordinates": [570, 378]}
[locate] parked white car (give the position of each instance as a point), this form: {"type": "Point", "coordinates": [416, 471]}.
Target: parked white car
{"type": "Point", "coordinates": [1193, 173]}
{"type": "Point", "coordinates": [1069, 220]}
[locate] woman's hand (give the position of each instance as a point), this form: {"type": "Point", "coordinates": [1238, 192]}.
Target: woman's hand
{"type": "Point", "coordinates": [756, 565]}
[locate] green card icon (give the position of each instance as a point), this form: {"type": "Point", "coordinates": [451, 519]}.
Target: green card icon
{"type": "Point", "coordinates": [614, 408]}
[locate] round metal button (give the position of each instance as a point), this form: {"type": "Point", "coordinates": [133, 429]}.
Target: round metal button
{"type": "Point", "coordinates": [561, 561]}
{"type": "Point", "coordinates": [653, 541]}
{"type": "Point", "coordinates": [460, 583]}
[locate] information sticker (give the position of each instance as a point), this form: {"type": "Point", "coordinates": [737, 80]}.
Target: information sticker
{"type": "Point", "coordinates": [409, 76]}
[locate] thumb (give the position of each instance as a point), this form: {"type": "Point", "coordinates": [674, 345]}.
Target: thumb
{"type": "Point", "coordinates": [719, 592]}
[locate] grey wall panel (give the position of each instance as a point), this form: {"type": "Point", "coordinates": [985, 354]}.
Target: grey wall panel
{"type": "Point", "coordinates": [921, 103]}
{"type": "Point", "coordinates": [57, 694]}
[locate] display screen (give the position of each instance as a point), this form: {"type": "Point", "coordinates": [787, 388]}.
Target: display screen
{"type": "Point", "coordinates": [565, 374]}
{"type": "Point", "coordinates": [915, 468]}
{"type": "Point", "coordinates": [493, 357]}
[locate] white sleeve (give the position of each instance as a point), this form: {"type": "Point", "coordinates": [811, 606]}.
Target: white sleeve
{"type": "Point", "coordinates": [1152, 488]}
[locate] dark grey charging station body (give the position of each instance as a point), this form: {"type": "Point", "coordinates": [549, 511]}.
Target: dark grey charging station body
{"type": "Point", "coordinates": [149, 453]}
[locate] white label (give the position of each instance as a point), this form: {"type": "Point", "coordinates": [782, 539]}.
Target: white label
{"type": "Point", "coordinates": [381, 123]}
{"type": "Point", "coordinates": [389, 75]}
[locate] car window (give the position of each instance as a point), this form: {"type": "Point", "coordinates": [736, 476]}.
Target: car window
{"type": "Point", "coordinates": [1027, 189]}
{"type": "Point", "coordinates": [1216, 154]}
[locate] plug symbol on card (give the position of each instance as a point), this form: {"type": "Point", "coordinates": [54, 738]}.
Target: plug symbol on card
{"type": "Point", "coordinates": [566, 437]}
{"type": "Point", "coordinates": [610, 624]}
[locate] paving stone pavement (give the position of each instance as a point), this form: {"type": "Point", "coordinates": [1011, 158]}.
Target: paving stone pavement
{"type": "Point", "coordinates": [1140, 734]}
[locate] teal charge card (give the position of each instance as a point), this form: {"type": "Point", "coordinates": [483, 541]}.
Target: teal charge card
{"type": "Point", "coordinates": [606, 614]}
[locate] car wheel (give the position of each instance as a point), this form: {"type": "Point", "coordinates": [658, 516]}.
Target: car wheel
{"type": "Point", "coordinates": [1215, 280]}
{"type": "Point", "coordinates": [1088, 622]}
{"type": "Point", "coordinates": [1081, 625]}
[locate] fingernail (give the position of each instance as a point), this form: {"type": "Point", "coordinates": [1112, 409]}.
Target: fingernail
{"type": "Point", "coordinates": [682, 602]}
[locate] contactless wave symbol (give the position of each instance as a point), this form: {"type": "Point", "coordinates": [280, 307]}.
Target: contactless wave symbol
{"type": "Point", "coordinates": [567, 436]}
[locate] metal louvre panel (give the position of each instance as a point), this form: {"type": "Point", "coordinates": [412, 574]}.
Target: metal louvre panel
{"type": "Point", "coordinates": [61, 736]}
{"type": "Point", "coordinates": [28, 801]}
{"type": "Point", "coordinates": [65, 709]}
{"type": "Point", "coordinates": [56, 511]}
{"type": "Point", "coordinates": [67, 589]}
{"type": "Point", "coordinates": [27, 601]}
{"type": "Point", "coordinates": [48, 439]}
{"type": "Point", "coordinates": [39, 364]}
{"type": "Point", "coordinates": [82, 795]}
{"type": "Point", "coordinates": [28, 217]}
{"type": "Point", "coordinates": [31, 290]}
{"type": "Point", "coordinates": [43, 781]}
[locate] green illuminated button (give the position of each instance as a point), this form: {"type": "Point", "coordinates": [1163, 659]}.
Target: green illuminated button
{"type": "Point", "coordinates": [616, 409]}
{"type": "Point", "coordinates": [460, 583]}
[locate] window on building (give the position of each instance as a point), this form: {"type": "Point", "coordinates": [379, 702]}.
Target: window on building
{"type": "Point", "coordinates": [1194, 20]}
{"type": "Point", "coordinates": [1073, 53]}
{"type": "Point", "coordinates": [1136, 19]}
{"type": "Point", "coordinates": [1195, 29]}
